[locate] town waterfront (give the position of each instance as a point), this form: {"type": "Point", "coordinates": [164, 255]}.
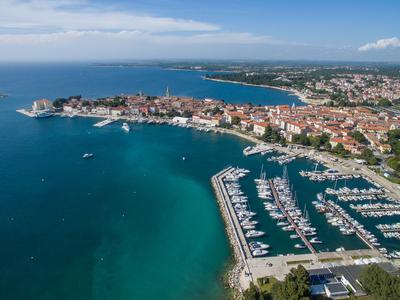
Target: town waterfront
{"type": "Point", "coordinates": [137, 221]}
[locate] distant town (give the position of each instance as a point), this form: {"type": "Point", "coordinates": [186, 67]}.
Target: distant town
{"type": "Point", "coordinates": [368, 135]}
{"type": "Point", "coordinates": [336, 84]}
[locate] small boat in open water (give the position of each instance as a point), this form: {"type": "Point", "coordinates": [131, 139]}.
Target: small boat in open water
{"type": "Point", "coordinates": [126, 127]}
{"type": "Point", "coordinates": [87, 155]}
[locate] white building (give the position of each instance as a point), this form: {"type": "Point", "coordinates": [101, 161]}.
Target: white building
{"type": "Point", "coordinates": [259, 128]}
{"type": "Point", "coordinates": [42, 104]}
{"type": "Point", "coordinates": [180, 120]}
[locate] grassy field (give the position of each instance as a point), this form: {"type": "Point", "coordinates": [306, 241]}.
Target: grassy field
{"type": "Point", "coordinates": [330, 259]}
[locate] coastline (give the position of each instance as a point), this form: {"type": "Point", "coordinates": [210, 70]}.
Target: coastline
{"type": "Point", "coordinates": [298, 94]}
{"type": "Point", "coordinates": [233, 274]}
{"type": "Point", "coordinates": [330, 161]}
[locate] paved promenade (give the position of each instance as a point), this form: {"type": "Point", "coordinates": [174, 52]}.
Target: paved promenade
{"type": "Point", "coordinates": [279, 266]}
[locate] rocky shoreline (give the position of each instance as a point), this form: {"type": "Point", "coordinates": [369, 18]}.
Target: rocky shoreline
{"type": "Point", "coordinates": [233, 274]}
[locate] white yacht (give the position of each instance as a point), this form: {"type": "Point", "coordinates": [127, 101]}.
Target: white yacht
{"type": "Point", "coordinates": [315, 240]}
{"type": "Point", "coordinates": [258, 246]}
{"type": "Point", "coordinates": [126, 127]}
{"type": "Point", "coordinates": [87, 155]}
{"type": "Point", "coordinates": [259, 252]}
{"type": "Point", "coordinates": [254, 233]}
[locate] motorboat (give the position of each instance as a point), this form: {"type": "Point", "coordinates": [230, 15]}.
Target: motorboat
{"type": "Point", "coordinates": [87, 155]}
{"type": "Point", "coordinates": [258, 246]}
{"type": "Point", "coordinates": [254, 233]}
{"type": "Point", "coordinates": [126, 127]}
{"type": "Point", "coordinates": [315, 240]}
{"type": "Point", "coordinates": [259, 252]}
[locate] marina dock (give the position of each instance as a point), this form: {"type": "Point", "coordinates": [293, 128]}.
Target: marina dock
{"type": "Point", "coordinates": [104, 123]}
{"type": "Point", "coordinates": [289, 218]}
{"type": "Point", "coordinates": [235, 233]}
{"type": "Point", "coordinates": [332, 208]}
{"type": "Point", "coordinates": [248, 267]}
{"type": "Point", "coordinates": [373, 210]}
{"type": "Point", "coordinates": [377, 210]}
{"type": "Point", "coordinates": [234, 222]}
{"type": "Point", "coordinates": [260, 148]}
{"type": "Point", "coordinates": [326, 175]}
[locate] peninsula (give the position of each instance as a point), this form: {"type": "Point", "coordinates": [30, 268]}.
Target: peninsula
{"type": "Point", "coordinates": [340, 138]}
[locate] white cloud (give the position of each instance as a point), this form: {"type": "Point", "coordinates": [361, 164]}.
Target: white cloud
{"type": "Point", "coordinates": [31, 16]}
{"type": "Point", "coordinates": [381, 44]}
{"type": "Point", "coordinates": [75, 30]}
{"type": "Point", "coordinates": [133, 37]}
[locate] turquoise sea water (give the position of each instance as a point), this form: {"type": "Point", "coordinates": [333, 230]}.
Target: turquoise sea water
{"type": "Point", "coordinates": [136, 221]}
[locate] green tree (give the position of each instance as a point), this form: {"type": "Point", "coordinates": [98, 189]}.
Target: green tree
{"type": "Point", "coordinates": [379, 283]}
{"type": "Point", "coordinates": [369, 157]}
{"type": "Point", "coordinates": [216, 111]}
{"type": "Point", "coordinates": [267, 134]}
{"type": "Point", "coordinates": [173, 113]}
{"type": "Point", "coordinates": [252, 293]}
{"type": "Point", "coordinates": [235, 120]}
{"type": "Point", "coordinates": [296, 286]}
{"type": "Point", "coordinates": [187, 114]}
{"type": "Point", "coordinates": [384, 102]}
{"type": "Point", "coordinates": [394, 140]}
{"type": "Point", "coordinates": [327, 146]}
{"type": "Point", "coordinates": [85, 103]}
{"type": "Point", "coordinates": [359, 137]}
{"type": "Point", "coordinates": [59, 102]}
{"type": "Point", "coordinates": [339, 150]}
{"type": "Point", "coordinates": [301, 139]}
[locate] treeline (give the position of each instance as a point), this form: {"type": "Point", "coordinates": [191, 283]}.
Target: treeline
{"type": "Point", "coordinates": [378, 283]}
{"type": "Point", "coordinates": [270, 79]}
{"type": "Point", "coordinates": [273, 136]}
{"type": "Point", "coordinates": [394, 141]}
{"type": "Point", "coordinates": [316, 142]}
{"type": "Point", "coordinates": [322, 142]}
{"type": "Point", "coordinates": [296, 286]}
{"type": "Point", "coordinates": [341, 100]}
{"type": "Point", "coordinates": [59, 102]}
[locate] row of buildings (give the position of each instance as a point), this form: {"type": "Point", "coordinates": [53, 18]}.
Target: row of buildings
{"type": "Point", "coordinates": [310, 120]}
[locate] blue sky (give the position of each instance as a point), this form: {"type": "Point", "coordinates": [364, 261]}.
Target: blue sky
{"type": "Point", "coordinates": [148, 29]}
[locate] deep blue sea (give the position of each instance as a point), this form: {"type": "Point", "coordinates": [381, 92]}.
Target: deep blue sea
{"type": "Point", "coordinates": [136, 221]}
